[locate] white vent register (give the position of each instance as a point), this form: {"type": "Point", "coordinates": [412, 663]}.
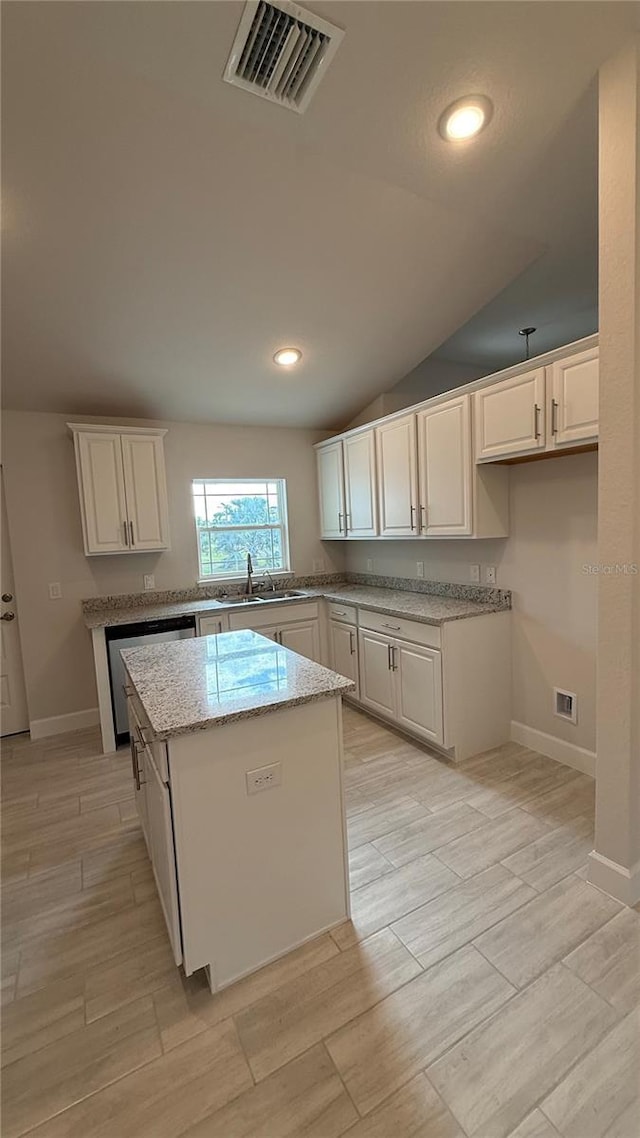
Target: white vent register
{"type": "Point", "coordinates": [281, 52]}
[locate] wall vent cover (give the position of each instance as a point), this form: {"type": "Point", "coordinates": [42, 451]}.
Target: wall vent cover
{"type": "Point", "coordinates": [281, 52]}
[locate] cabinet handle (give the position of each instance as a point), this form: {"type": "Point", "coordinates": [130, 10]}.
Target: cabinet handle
{"type": "Point", "coordinates": [423, 514]}
{"type": "Point", "coordinates": [393, 627]}
{"type": "Point", "coordinates": [389, 665]}
{"type": "Point", "coordinates": [536, 421]}
{"type": "Point", "coordinates": [554, 417]}
{"type": "Point", "coordinates": [413, 511]}
{"type": "Point", "coordinates": [131, 532]}
{"type": "Point", "coordinates": [394, 666]}
{"type": "Point", "coordinates": [126, 534]}
{"type": "Point", "coordinates": [340, 517]}
{"type": "Point", "coordinates": [352, 646]}
{"type": "Point", "coordinates": [338, 613]}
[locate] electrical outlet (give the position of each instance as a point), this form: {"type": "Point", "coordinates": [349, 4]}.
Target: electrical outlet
{"type": "Point", "coordinates": [490, 574]}
{"type": "Point", "coordinates": [474, 574]}
{"type": "Point", "coordinates": [318, 565]}
{"type": "Point", "coordinates": [264, 778]}
{"type": "Point", "coordinates": [55, 591]}
{"type": "Point", "coordinates": [419, 568]}
{"type": "Point", "coordinates": [149, 581]}
{"type": "Point", "coordinates": [369, 564]}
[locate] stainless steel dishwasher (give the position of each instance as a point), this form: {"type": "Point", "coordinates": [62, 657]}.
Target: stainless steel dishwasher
{"type": "Point", "coordinates": [142, 633]}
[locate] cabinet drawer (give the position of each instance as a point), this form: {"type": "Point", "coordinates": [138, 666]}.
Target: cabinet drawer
{"type": "Point", "coordinates": [398, 627]}
{"type": "Point", "coordinates": [212, 625]}
{"type": "Point", "coordinates": [345, 613]}
{"type": "Point", "coordinates": [267, 615]}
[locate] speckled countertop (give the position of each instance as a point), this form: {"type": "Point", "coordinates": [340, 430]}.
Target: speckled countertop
{"type": "Point", "coordinates": [427, 608]}
{"type": "Point", "coordinates": [191, 685]}
{"type": "Point", "coordinates": [422, 607]}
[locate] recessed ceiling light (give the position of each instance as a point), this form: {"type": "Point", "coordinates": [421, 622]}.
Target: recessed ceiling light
{"type": "Point", "coordinates": [286, 357]}
{"type": "Point", "coordinates": [465, 118]}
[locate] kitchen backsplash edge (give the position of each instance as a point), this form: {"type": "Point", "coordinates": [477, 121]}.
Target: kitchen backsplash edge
{"type": "Point", "coordinates": [480, 593]}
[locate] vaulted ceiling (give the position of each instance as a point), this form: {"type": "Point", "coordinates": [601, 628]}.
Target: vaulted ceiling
{"type": "Point", "coordinates": [164, 233]}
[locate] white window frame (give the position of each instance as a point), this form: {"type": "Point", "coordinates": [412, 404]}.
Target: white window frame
{"type": "Point", "coordinates": [283, 526]}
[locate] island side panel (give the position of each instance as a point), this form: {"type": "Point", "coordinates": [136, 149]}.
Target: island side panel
{"type": "Point", "coordinates": [259, 874]}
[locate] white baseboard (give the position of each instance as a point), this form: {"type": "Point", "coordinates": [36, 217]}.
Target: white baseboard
{"type": "Point", "coordinates": [59, 724]}
{"type": "Point", "coordinates": [614, 879]}
{"type": "Point", "coordinates": [577, 757]}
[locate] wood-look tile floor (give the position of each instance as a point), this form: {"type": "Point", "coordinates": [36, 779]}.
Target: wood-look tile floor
{"type": "Point", "coordinates": [482, 988]}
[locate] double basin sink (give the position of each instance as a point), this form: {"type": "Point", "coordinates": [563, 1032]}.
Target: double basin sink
{"type": "Point", "coordinates": [263, 598]}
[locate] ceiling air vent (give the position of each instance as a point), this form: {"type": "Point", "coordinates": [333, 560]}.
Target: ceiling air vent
{"type": "Point", "coordinates": [281, 52]}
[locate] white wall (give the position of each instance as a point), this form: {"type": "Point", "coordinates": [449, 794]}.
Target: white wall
{"type": "Point", "coordinates": [553, 534]}
{"type": "Point", "coordinates": [46, 537]}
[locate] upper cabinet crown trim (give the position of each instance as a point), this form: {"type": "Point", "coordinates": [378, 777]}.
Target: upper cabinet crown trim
{"type": "Point", "coordinates": [109, 429]}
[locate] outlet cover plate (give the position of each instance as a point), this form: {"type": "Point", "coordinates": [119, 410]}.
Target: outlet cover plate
{"type": "Point", "coordinates": [419, 568]}
{"type": "Point", "coordinates": [264, 778]}
{"type": "Point", "coordinates": [490, 574]}
{"type": "Point", "coordinates": [474, 574]}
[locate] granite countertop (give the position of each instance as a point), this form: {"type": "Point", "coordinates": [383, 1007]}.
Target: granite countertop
{"type": "Point", "coordinates": [422, 607]}
{"type": "Point", "coordinates": [191, 685]}
{"type": "Point", "coordinates": [426, 608]}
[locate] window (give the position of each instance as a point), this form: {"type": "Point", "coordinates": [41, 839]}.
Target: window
{"type": "Point", "coordinates": [234, 518]}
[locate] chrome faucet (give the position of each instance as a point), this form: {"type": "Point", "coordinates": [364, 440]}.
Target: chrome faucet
{"type": "Point", "coordinates": [249, 585]}
{"type": "Point", "coordinates": [272, 584]}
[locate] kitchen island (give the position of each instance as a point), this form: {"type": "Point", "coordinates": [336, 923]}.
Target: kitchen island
{"type": "Point", "coordinates": [236, 749]}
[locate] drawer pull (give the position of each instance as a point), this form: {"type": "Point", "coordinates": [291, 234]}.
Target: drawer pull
{"type": "Point", "coordinates": [393, 627]}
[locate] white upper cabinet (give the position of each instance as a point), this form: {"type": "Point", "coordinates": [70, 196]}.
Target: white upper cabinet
{"type": "Point", "coordinates": [145, 488]}
{"type": "Point", "coordinates": [122, 487]}
{"type": "Point", "coordinates": [446, 468]}
{"type": "Point", "coordinates": [396, 455]}
{"type": "Point", "coordinates": [573, 406]}
{"type": "Point", "coordinates": [331, 490]}
{"type": "Point", "coordinates": [360, 485]}
{"type": "Point", "coordinates": [102, 496]}
{"type": "Point", "coordinates": [510, 416]}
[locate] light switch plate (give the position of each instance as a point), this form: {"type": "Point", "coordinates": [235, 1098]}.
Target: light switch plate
{"type": "Point", "coordinates": [318, 565]}
{"type": "Point", "coordinates": [474, 574]}
{"type": "Point", "coordinates": [149, 581]}
{"type": "Point", "coordinates": [55, 591]}
{"type": "Point", "coordinates": [369, 564]}
{"type": "Point", "coordinates": [419, 568]}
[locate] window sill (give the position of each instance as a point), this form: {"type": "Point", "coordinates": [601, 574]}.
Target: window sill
{"type": "Point", "coordinates": [277, 574]}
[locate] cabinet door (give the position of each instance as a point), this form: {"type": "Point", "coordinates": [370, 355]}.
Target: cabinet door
{"type": "Point", "coordinates": [343, 648]}
{"type": "Point", "coordinates": [331, 490]}
{"type": "Point", "coordinates": [360, 485]}
{"type": "Point", "coordinates": [301, 638]}
{"type": "Point", "coordinates": [574, 399]}
{"type": "Point", "coordinates": [212, 625]}
{"type": "Point", "coordinates": [377, 688]}
{"type": "Point", "coordinates": [146, 491]}
{"type": "Point", "coordinates": [444, 449]}
{"type": "Point", "coordinates": [163, 856]}
{"type": "Point", "coordinates": [139, 781]}
{"type": "Point", "coordinates": [104, 507]}
{"type": "Point", "coordinates": [396, 456]}
{"type": "Point", "coordinates": [509, 416]}
{"type": "Point", "coordinates": [419, 689]}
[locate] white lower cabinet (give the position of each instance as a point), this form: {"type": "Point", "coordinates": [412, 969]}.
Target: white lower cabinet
{"type": "Point", "coordinates": [163, 854]}
{"type": "Point", "coordinates": [153, 804]}
{"type": "Point", "coordinates": [419, 689]}
{"type": "Point", "coordinates": [213, 625]}
{"type": "Point", "coordinates": [343, 650]}
{"type": "Point", "coordinates": [295, 626]}
{"type": "Point", "coordinates": [302, 637]}
{"type": "Point", "coordinates": [402, 681]}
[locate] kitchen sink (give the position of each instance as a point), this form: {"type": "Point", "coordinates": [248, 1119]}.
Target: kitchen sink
{"type": "Point", "coordinates": [281, 595]}
{"type": "Point", "coordinates": [253, 599]}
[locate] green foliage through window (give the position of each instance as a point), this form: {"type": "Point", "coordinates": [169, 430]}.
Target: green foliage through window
{"type": "Point", "coordinates": [234, 518]}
